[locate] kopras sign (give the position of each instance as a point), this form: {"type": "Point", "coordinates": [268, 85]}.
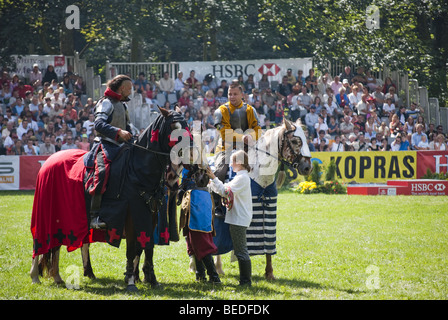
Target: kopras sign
{"type": "Point", "coordinates": [370, 167]}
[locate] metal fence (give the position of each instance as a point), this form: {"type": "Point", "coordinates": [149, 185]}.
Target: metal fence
{"type": "Point", "coordinates": [92, 81]}
{"type": "Point", "coordinates": [134, 68]}
{"type": "Point", "coordinates": [140, 113]}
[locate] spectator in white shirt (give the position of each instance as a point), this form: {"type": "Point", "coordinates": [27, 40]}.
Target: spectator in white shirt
{"type": "Point", "coordinates": [239, 215]}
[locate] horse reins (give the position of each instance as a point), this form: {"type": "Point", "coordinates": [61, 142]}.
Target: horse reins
{"type": "Point", "coordinates": [280, 152]}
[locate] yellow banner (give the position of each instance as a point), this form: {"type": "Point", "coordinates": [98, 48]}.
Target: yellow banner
{"type": "Point", "coordinates": [370, 167]}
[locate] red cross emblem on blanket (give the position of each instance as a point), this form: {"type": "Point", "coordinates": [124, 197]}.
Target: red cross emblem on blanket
{"type": "Point", "coordinates": [143, 239]}
{"type": "Point", "coordinates": [113, 235]}
{"type": "Point", "coordinates": [165, 235]}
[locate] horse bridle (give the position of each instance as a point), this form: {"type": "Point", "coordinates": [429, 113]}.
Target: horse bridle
{"type": "Point", "coordinates": [296, 156]}
{"type": "Point", "coordinates": [280, 157]}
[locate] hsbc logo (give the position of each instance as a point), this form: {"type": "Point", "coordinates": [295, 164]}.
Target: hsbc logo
{"type": "Point", "coordinates": [269, 69]}
{"type": "Point", "coordinates": [428, 187]}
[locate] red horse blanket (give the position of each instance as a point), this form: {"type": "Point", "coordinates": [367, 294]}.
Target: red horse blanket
{"type": "Point", "coordinates": [59, 210]}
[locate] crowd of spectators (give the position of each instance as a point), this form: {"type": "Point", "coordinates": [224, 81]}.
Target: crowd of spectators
{"type": "Point", "coordinates": [347, 112]}
{"type": "Point", "coordinates": [41, 114]}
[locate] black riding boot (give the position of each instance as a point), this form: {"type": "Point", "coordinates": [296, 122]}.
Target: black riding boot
{"type": "Point", "coordinates": [95, 221]}
{"type": "Point", "coordinates": [211, 270]}
{"type": "Point", "coordinates": [219, 209]}
{"type": "Point", "coordinates": [200, 270]}
{"type": "Point", "coordinates": [245, 272]}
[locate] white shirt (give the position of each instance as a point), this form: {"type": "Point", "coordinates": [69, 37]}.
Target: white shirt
{"type": "Point", "coordinates": [241, 212]}
{"type": "Point", "coordinates": [388, 108]}
{"type": "Point", "coordinates": [395, 146]}
{"type": "Point", "coordinates": [29, 152]}
{"type": "Point", "coordinates": [178, 84]}
{"type": "Point", "coordinates": [34, 107]}
{"type": "Point", "coordinates": [89, 126]}
{"type": "Point", "coordinates": [354, 99]}
{"type": "Point", "coordinates": [21, 131]}
{"type": "Point", "coordinates": [337, 147]}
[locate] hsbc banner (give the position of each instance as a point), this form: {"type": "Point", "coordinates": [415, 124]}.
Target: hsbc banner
{"type": "Point", "coordinates": [19, 172]}
{"type": "Point", "coordinates": [230, 70]}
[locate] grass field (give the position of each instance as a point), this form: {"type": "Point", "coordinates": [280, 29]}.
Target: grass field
{"type": "Point", "coordinates": [329, 247]}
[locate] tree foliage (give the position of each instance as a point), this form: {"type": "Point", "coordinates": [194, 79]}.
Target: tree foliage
{"type": "Point", "coordinates": [412, 36]}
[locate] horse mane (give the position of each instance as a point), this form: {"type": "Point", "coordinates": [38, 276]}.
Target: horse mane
{"type": "Point", "coordinates": [160, 140]}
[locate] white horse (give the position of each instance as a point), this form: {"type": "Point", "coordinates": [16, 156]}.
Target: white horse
{"type": "Point", "coordinates": [277, 147]}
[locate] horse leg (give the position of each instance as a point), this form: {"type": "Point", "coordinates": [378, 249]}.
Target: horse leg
{"type": "Point", "coordinates": [131, 251]}
{"type": "Point", "coordinates": [34, 272]}
{"type": "Point", "coordinates": [218, 264]}
{"type": "Point", "coordinates": [148, 266]}
{"type": "Point", "coordinates": [85, 254]}
{"type": "Point", "coordinates": [192, 264]}
{"type": "Point", "coordinates": [269, 271]}
{"type": "Point", "coordinates": [54, 271]}
{"type": "Point", "coordinates": [138, 254]}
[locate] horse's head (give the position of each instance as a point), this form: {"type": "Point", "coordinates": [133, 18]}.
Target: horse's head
{"type": "Point", "coordinates": [294, 147]}
{"type": "Point", "coordinates": [166, 131]}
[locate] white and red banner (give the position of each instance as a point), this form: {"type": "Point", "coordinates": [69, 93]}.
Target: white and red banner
{"type": "Point", "coordinates": [25, 64]}
{"type": "Point", "coordinates": [20, 172]}
{"type": "Point", "coordinates": [230, 70]}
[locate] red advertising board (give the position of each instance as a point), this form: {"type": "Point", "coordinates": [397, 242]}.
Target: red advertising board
{"type": "Point", "coordinates": [20, 172]}
{"type": "Point", "coordinates": [422, 187]}
{"type": "Point", "coordinates": [29, 167]}
{"type": "Point", "coordinates": [59, 61]}
{"type": "Point", "coordinates": [436, 161]}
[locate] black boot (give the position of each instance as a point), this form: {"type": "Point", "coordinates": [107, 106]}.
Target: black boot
{"type": "Point", "coordinates": [211, 270]}
{"type": "Point", "coordinates": [200, 270]}
{"type": "Point", "coordinates": [220, 211]}
{"type": "Point", "coordinates": [95, 221]}
{"type": "Point", "coordinates": [245, 272]}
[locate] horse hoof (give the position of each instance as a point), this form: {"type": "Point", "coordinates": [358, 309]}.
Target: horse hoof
{"type": "Point", "coordinates": [131, 288]}
{"type": "Point", "coordinates": [269, 276]}
{"type": "Point", "coordinates": [35, 281]}
{"type": "Point", "coordinates": [59, 283]}
{"type": "Point", "coordinates": [220, 271]}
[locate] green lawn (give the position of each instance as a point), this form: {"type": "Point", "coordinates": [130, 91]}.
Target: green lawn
{"type": "Point", "coordinates": [329, 247]}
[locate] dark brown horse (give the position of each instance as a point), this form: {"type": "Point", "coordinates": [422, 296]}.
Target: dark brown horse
{"type": "Point", "coordinates": [131, 201]}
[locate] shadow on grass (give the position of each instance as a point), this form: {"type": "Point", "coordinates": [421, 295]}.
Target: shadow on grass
{"type": "Point", "coordinates": [108, 287]}
{"type": "Point", "coordinates": [199, 290]}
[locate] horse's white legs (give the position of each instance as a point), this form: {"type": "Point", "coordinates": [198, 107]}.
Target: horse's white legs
{"type": "Point", "coordinates": [55, 266]}
{"type": "Point", "coordinates": [34, 273]}
{"type": "Point", "coordinates": [192, 265]}
{"type": "Point", "coordinates": [218, 264]}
